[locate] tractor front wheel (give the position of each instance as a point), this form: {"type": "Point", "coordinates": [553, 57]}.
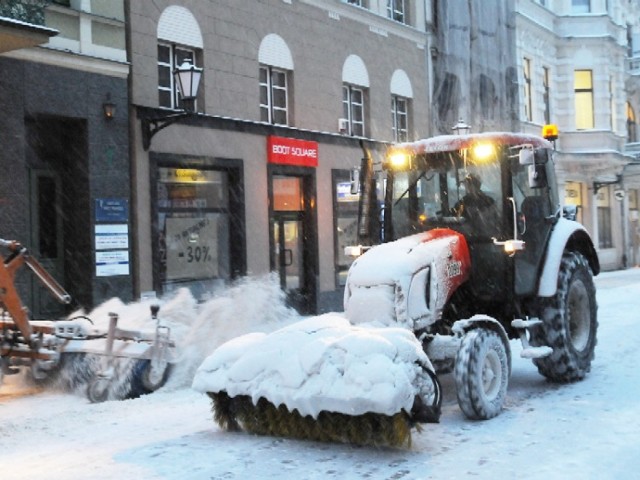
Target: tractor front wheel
{"type": "Point", "coordinates": [481, 373]}
{"type": "Point", "coordinates": [569, 323]}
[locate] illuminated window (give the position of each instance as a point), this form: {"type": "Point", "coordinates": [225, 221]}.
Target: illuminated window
{"type": "Point", "coordinates": [583, 88]}
{"type": "Point", "coordinates": [632, 136]}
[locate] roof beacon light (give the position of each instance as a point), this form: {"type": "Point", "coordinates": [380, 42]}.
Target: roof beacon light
{"type": "Point", "coordinates": [550, 132]}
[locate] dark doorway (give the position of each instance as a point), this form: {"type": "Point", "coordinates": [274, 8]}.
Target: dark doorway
{"type": "Point", "coordinates": [59, 211]}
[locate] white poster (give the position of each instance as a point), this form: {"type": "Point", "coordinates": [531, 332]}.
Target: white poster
{"type": "Point", "coordinates": [111, 237]}
{"type": "Point", "coordinates": [192, 248]}
{"type": "Point", "coordinates": [112, 263]}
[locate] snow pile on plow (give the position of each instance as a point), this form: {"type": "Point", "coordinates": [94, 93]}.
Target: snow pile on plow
{"type": "Point", "coordinates": [356, 384]}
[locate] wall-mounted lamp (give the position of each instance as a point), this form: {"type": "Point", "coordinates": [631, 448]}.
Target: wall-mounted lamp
{"type": "Point", "coordinates": [187, 79]}
{"type": "Point", "coordinates": [109, 108]}
{"type": "Point", "coordinates": [461, 128]}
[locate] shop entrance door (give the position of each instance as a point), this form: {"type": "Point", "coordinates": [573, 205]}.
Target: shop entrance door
{"type": "Point", "coordinates": [46, 240]}
{"type": "Point", "coordinates": [292, 234]}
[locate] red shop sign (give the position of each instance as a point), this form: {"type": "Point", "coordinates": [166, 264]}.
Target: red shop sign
{"type": "Point", "coordinates": [290, 151]}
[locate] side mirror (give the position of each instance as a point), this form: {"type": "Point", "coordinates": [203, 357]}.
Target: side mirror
{"type": "Point", "coordinates": [354, 179]}
{"type": "Point", "coordinates": [526, 156]}
{"type": "Point", "coordinates": [537, 176]}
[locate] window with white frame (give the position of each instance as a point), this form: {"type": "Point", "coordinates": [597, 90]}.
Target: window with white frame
{"type": "Point", "coordinates": [400, 118]}
{"type": "Point", "coordinates": [169, 58]}
{"type": "Point", "coordinates": [580, 6]}
{"type": "Point", "coordinates": [353, 109]}
{"type": "Point", "coordinates": [583, 88]}
{"type": "Point", "coordinates": [526, 70]}
{"type": "Point", "coordinates": [359, 3]}
{"type": "Point", "coordinates": [397, 10]}
{"type": "Point", "coordinates": [546, 94]}
{"type": "Point", "coordinates": [274, 106]}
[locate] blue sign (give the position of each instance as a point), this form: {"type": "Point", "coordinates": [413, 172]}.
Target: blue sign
{"type": "Point", "coordinates": [112, 210]}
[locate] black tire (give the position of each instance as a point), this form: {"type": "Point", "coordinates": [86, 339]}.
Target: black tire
{"type": "Point", "coordinates": [570, 323]}
{"type": "Point", "coordinates": [98, 390]}
{"type": "Point", "coordinates": [482, 374]}
{"type": "Point", "coordinates": [141, 381]}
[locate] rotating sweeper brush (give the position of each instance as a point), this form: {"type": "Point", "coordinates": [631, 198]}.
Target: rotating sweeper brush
{"type": "Point", "coordinates": [111, 363]}
{"type": "Point", "coordinates": [340, 383]}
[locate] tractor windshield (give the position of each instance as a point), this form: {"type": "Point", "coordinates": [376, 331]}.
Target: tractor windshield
{"type": "Point", "coordinates": [460, 190]}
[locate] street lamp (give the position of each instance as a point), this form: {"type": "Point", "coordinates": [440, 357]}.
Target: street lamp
{"type": "Point", "coordinates": [187, 80]}
{"type": "Point", "coordinates": [461, 128]}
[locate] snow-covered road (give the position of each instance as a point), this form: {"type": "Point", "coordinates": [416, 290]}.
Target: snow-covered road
{"type": "Point", "coordinates": [587, 430]}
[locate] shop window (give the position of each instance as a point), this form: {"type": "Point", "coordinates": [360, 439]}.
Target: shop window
{"type": "Point", "coordinates": [353, 105]}
{"type": "Point", "coordinates": [604, 218]}
{"type": "Point", "coordinates": [274, 95]}
{"type": "Point", "coordinates": [169, 58]}
{"type": "Point", "coordinates": [345, 207]}
{"type": "Point", "coordinates": [193, 228]}
{"type": "Point", "coordinates": [573, 196]}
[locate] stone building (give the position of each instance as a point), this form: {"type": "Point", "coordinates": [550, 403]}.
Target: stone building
{"type": "Point", "coordinates": [258, 179]}
{"type": "Point", "coordinates": [578, 68]}
{"type": "Point", "coordinates": [61, 156]}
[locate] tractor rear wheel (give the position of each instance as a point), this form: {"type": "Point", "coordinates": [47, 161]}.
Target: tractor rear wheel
{"type": "Point", "coordinates": [482, 374]}
{"type": "Point", "coordinates": [569, 323]}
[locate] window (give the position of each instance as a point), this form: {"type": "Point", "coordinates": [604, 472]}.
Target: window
{"type": "Point", "coordinates": [526, 68]}
{"type": "Point", "coordinates": [353, 109]}
{"type": "Point", "coordinates": [359, 3]}
{"type": "Point", "coordinates": [632, 136]}
{"type": "Point", "coordinates": [397, 10]}
{"type": "Point", "coordinates": [583, 87]}
{"type": "Point", "coordinates": [604, 218]}
{"type": "Point", "coordinates": [580, 6]}
{"type": "Point", "coordinates": [546, 97]}
{"type": "Point", "coordinates": [399, 118]}
{"type": "Point", "coordinates": [170, 57]}
{"type": "Point", "coordinates": [273, 95]}
{"type": "Point", "coordinates": [612, 106]}
{"type": "Point", "coordinates": [573, 196]}
{"type": "Point", "coordinates": [345, 207]}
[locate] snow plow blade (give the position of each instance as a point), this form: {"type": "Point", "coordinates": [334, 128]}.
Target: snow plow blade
{"type": "Point", "coordinates": [323, 379]}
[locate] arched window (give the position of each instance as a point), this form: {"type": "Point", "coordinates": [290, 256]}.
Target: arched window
{"type": "Point", "coordinates": [276, 67]}
{"type": "Point", "coordinates": [355, 85]}
{"type": "Point", "coordinates": [401, 95]}
{"type": "Point", "coordinates": [179, 39]}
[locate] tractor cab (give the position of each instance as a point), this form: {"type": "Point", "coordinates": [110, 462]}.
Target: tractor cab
{"type": "Point", "coordinates": [496, 189]}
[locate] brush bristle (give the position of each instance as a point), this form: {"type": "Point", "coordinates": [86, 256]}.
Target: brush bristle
{"type": "Point", "coordinates": [234, 413]}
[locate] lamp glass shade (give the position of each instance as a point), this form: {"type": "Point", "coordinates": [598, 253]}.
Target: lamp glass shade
{"type": "Point", "coordinates": [187, 77]}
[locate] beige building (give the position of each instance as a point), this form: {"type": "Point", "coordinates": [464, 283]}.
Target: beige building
{"type": "Point", "coordinates": [578, 69]}
{"type": "Point", "coordinates": [257, 181]}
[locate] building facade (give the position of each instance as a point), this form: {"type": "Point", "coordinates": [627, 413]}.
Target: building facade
{"type": "Point", "coordinates": [62, 158]}
{"type": "Point", "coordinates": [258, 180]}
{"type": "Point", "coordinates": [578, 69]}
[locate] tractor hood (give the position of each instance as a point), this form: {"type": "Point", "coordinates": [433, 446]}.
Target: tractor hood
{"type": "Point", "coordinates": [407, 282]}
